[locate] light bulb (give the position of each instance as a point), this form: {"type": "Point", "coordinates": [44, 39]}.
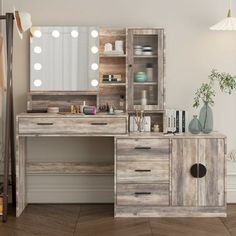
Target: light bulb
{"type": "Point", "coordinates": [37, 66]}
{"type": "Point", "coordinates": [55, 33]}
{"type": "Point", "coordinates": [37, 33]}
{"type": "Point", "coordinates": [37, 83]}
{"type": "Point", "coordinates": [94, 66]}
{"type": "Point", "coordinates": [37, 49]}
{"type": "Point", "coordinates": [74, 33]}
{"type": "Point", "coordinates": [94, 33]}
{"type": "Point", "coordinates": [94, 49]}
{"type": "Point", "coordinates": [94, 83]}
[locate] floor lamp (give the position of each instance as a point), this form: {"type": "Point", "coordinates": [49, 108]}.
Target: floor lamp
{"type": "Point", "coordinates": [23, 23]}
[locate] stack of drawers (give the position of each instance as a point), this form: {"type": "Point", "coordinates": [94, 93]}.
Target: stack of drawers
{"type": "Point", "coordinates": [142, 172]}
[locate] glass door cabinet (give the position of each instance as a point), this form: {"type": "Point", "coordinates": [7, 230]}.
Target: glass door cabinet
{"type": "Point", "coordinates": [145, 65]}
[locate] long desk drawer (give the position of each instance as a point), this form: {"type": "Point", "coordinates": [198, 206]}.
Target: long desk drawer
{"type": "Point", "coordinates": [142, 149]}
{"type": "Point", "coordinates": [142, 194]}
{"type": "Point", "coordinates": [77, 125]}
{"type": "Point", "coordinates": [142, 172]}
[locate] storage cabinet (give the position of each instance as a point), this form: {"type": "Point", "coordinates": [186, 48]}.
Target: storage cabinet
{"type": "Point", "coordinates": [205, 185]}
{"type": "Point", "coordinates": [145, 52]}
{"type": "Point", "coordinates": [142, 173]}
{"type": "Point", "coordinates": [170, 176]}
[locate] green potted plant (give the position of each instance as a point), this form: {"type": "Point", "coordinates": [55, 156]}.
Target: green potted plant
{"type": "Point", "coordinates": [206, 93]}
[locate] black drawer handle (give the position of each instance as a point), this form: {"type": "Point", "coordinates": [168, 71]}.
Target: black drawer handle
{"type": "Point", "coordinates": [142, 170]}
{"type": "Point", "coordinates": [44, 123]}
{"type": "Point", "coordinates": [143, 193]}
{"type": "Point", "coordinates": [143, 148]}
{"type": "Point", "coordinates": [98, 123]}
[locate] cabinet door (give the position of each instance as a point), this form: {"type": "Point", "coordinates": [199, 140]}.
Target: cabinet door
{"type": "Point", "coordinates": [145, 69]}
{"type": "Point", "coordinates": [184, 186]}
{"type": "Point", "coordinates": [211, 187]}
{"type": "Point", "coordinates": [198, 191]}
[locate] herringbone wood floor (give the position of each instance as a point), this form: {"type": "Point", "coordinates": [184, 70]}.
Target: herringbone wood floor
{"type": "Point", "coordinates": [97, 220]}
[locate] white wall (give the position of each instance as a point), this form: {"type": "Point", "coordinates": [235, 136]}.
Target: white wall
{"type": "Point", "coordinates": [192, 49]}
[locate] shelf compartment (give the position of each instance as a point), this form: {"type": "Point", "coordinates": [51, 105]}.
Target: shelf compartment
{"type": "Point", "coordinates": [145, 56]}
{"type": "Point", "coordinates": [111, 84]}
{"type": "Point", "coordinates": [111, 55]}
{"type": "Point", "coordinates": [69, 168]}
{"type": "Point", "coordinates": [145, 83]}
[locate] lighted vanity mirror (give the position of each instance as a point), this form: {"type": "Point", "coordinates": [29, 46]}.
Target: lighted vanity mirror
{"type": "Point", "coordinates": [64, 58]}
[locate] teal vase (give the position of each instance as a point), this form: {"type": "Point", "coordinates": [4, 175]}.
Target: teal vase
{"type": "Point", "coordinates": [206, 118]}
{"type": "Point", "coordinates": [195, 126]}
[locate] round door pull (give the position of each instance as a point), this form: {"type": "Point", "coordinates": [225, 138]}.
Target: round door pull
{"type": "Point", "coordinates": [198, 170]}
{"type": "Point", "coordinates": [202, 170]}
{"type": "Point", "coordinates": [194, 170]}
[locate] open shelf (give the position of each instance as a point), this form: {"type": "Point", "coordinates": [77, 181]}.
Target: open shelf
{"type": "Point", "coordinates": [112, 84]}
{"type": "Point", "coordinates": [145, 56]}
{"type": "Point", "coordinates": [68, 168]}
{"type": "Point", "coordinates": [145, 83]}
{"type": "Point", "coordinates": [111, 55]}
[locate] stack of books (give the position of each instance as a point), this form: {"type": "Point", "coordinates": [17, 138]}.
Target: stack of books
{"type": "Point", "coordinates": [175, 121]}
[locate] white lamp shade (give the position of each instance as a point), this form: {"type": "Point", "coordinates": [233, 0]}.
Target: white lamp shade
{"type": "Point", "coordinates": [23, 22]}
{"type": "Point", "coordinates": [229, 23]}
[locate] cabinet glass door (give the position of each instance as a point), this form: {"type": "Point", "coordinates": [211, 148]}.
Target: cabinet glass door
{"type": "Point", "coordinates": [145, 63]}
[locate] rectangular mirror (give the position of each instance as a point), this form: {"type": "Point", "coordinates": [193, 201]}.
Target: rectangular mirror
{"type": "Point", "coordinates": [64, 58]}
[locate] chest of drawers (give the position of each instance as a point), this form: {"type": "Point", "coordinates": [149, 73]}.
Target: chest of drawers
{"type": "Point", "coordinates": [142, 172]}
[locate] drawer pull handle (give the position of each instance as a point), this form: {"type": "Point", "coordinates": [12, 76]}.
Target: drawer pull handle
{"type": "Point", "coordinates": [143, 148]}
{"type": "Point", "coordinates": [98, 123]}
{"type": "Point", "coordinates": [142, 170]}
{"type": "Point", "coordinates": [143, 193]}
{"type": "Point", "coordinates": [44, 123]}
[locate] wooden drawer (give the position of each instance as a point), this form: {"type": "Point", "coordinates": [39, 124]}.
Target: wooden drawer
{"type": "Point", "coordinates": [142, 172]}
{"type": "Point", "coordinates": [143, 149]}
{"type": "Point", "coordinates": [77, 125]}
{"type": "Point", "coordinates": [142, 194]}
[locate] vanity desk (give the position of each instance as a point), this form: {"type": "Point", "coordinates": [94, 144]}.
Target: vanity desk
{"type": "Point", "coordinates": [154, 174]}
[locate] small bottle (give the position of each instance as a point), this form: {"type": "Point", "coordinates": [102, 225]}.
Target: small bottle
{"type": "Point", "coordinates": [149, 71]}
{"type": "Point", "coordinates": [111, 110]}
{"type": "Point", "coordinates": [122, 101]}
{"type": "Point", "coordinates": [144, 98]}
{"type": "Point", "coordinates": [82, 107]}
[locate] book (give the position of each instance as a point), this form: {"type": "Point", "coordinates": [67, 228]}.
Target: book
{"type": "Point", "coordinates": [175, 121]}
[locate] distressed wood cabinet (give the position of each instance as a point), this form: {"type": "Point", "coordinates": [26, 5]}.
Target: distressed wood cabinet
{"type": "Point", "coordinates": [145, 50]}
{"type": "Point", "coordinates": [207, 190]}
{"type": "Point", "coordinates": [182, 175]}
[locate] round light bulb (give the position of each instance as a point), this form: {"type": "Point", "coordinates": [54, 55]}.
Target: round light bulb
{"type": "Point", "coordinates": [94, 49]}
{"type": "Point", "coordinates": [37, 83]}
{"type": "Point", "coordinates": [37, 49]}
{"type": "Point", "coordinates": [94, 83]}
{"type": "Point", "coordinates": [37, 66]}
{"type": "Point", "coordinates": [94, 66]}
{"type": "Point", "coordinates": [37, 33]}
{"type": "Point", "coordinates": [94, 33]}
{"type": "Point", "coordinates": [55, 33]}
{"type": "Point", "coordinates": [74, 33]}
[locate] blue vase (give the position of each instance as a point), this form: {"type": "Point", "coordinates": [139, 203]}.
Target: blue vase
{"type": "Point", "coordinates": [195, 126]}
{"type": "Point", "coordinates": [206, 118]}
